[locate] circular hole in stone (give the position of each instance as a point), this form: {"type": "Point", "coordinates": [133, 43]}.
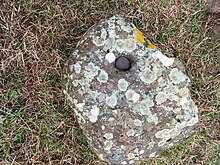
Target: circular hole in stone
{"type": "Point", "coordinates": [123, 63]}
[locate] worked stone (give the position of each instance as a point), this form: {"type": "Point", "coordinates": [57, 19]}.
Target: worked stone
{"type": "Point", "coordinates": [130, 109]}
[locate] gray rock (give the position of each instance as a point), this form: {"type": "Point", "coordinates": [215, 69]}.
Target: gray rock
{"type": "Point", "coordinates": [132, 102]}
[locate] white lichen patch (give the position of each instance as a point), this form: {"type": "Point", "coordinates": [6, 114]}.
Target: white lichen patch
{"type": "Point", "coordinates": [160, 98]}
{"type": "Point", "coordinates": [161, 81]}
{"type": "Point", "coordinates": [103, 33]}
{"type": "Point", "coordinates": [98, 41]}
{"type": "Point", "coordinates": [171, 89]}
{"type": "Point", "coordinates": [108, 145]}
{"type": "Point", "coordinates": [147, 76]}
{"type": "Point", "coordinates": [111, 24]}
{"type": "Point", "coordinates": [131, 161]}
{"type": "Point", "coordinates": [95, 110]}
{"type": "Point", "coordinates": [141, 152]}
{"type": "Point", "coordinates": [75, 83]}
{"type": "Point", "coordinates": [184, 103]}
{"type": "Point", "coordinates": [91, 71]}
{"type": "Point", "coordinates": [110, 57]}
{"type": "Point", "coordinates": [151, 145]}
{"type": "Point", "coordinates": [193, 121]}
{"type": "Point", "coordinates": [152, 155]}
{"type": "Point", "coordinates": [124, 162]}
{"type": "Point", "coordinates": [184, 92]}
{"type": "Point", "coordinates": [126, 28]}
{"type": "Point", "coordinates": [108, 136]}
{"type": "Point", "coordinates": [137, 123]}
{"type": "Point", "coordinates": [112, 33]}
{"type": "Point", "coordinates": [77, 68]}
{"type": "Point", "coordinates": [80, 106]}
{"type": "Point", "coordinates": [152, 118]}
{"type": "Point", "coordinates": [162, 133]}
{"type": "Point", "coordinates": [111, 100]}
{"type": "Point", "coordinates": [157, 69]}
{"type": "Point", "coordinates": [122, 84]}
{"type": "Point", "coordinates": [162, 143]}
{"type": "Point", "coordinates": [130, 132]}
{"type": "Point", "coordinates": [120, 45]}
{"type": "Point", "coordinates": [103, 76]}
{"type": "Point", "coordinates": [93, 119]}
{"type": "Point", "coordinates": [166, 61]}
{"type": "Point", "coordinates": [132, 95]}
{"type": "Point", "coordinates": [130, 156]}
{"type": "Point", "coordinates": [177, 76]}
{"type": "Point", "coordinates": [130, 45]}
{"type": "Point", "coordinates": [101, 156]}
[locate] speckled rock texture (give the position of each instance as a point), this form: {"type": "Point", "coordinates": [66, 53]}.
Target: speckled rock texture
{"type": "Point", "coordinates": [133, 113]}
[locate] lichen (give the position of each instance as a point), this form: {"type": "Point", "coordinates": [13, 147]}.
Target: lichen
{"type": "Point", "coordinates": [160, 98]}
{"type": "Point", "coordinates": [137, 123]}
{"type": "Point", "coordinates": [91, 71]}
{"type": "Point", "coordinates": [120, 45]}
{"type": "Point", "coordinates": [176, 76]}
{"type": "Point", "coordinates": [108, 136]}
{"type": "Point", "coordinates": [108, 145]}
{"type": "Point", "coordinates": [130, 45]}
{"type": "Point", "coordinates": [95, 110]}
{"type": "Point", "coordinates": [132, 95]}
{"type": "Point", "coordinates": [110, 57]}
{"type": "Point", "coordinates": [111, 100]}
{"type": "Point", "coordinates": [130, 156]}
{"type": "Point", "coordinates": [77, 68]}
{"type": "Point", "coordinates": [166, 61]}
{"type": "Point", "coordinates": [98, 41]}
{"type": "Point", "coordinates": [103, 76]}
{"type": "Point", "coordinates": [153, 154]}
{"type": "Point", "coordinates": [93, 119]}
{"type": "Point", "coordinates": [130, 132]}
{"type": "Point", "coordinates": [122, 84]}
{"type": "Point", "coordinates": [147, 76]}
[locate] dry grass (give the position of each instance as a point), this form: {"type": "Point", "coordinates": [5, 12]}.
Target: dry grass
{"type": "Point", "coordinates": [36, 37]}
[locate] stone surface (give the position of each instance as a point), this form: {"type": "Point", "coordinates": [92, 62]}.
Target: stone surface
{"type": "Point", "coordinates": [128, 115]}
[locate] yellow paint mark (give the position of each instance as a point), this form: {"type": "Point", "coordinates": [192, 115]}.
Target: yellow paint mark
{"type": "Point", "coordinates": [140, 37]}
{"type": "Point", "coordinates": [150, 45]}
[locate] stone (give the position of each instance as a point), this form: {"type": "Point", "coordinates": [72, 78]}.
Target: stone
{"type": "Point", "coordinates": [133, 109]}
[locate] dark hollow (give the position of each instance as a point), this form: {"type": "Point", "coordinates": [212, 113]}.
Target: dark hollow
{"type": "Point", "coordinates": [123, 63]}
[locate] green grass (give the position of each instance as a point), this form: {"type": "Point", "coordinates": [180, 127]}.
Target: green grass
{"type": "Point", "coordinates": [37, 126]}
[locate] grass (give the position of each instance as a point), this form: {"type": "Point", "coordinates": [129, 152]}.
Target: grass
{"type": "Point", "coordinates": [37, 126]}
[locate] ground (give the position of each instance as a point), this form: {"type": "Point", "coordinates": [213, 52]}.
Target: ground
{"type": "Point", "coordinates": [37, 125]}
